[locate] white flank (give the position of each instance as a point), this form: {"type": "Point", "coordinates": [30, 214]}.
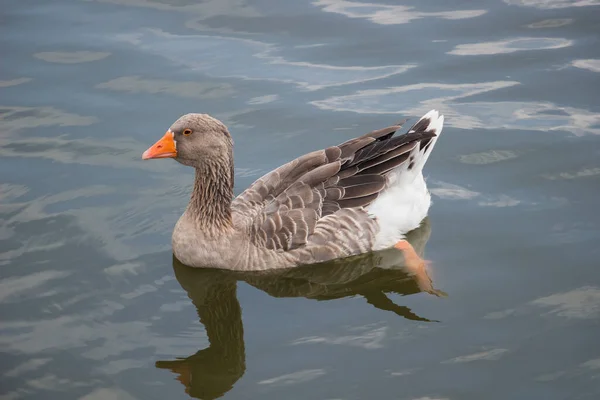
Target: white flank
{"type": "Point", "coordinates": [405, 202]}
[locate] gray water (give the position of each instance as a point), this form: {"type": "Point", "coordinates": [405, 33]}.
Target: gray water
{"type": "Point", "coordinates": [93, 305]}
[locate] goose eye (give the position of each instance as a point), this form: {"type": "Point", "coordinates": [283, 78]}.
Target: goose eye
{"type": "Point", "coordinates": [187, 132]}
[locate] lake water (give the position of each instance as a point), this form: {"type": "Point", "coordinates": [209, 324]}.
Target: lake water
{"type": "Point", "coordinates": [94, 307]}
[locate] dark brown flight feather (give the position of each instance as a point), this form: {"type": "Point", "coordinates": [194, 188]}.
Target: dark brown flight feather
{"type": "Point", "coordinates": [283, 210]}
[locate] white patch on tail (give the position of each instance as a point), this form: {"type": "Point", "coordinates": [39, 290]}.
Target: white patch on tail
{"type": "Point", "coordinates": [402, 206]}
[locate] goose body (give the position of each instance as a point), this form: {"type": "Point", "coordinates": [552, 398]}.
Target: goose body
{"type": "Point", "coordinates": [362, 195]}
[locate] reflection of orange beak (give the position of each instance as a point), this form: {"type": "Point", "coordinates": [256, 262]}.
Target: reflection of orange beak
{"type": "Point", "coordinates": [164, 148]}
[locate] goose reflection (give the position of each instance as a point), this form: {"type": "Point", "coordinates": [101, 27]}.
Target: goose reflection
{"type": "Point", "coordinates": [212, 372]}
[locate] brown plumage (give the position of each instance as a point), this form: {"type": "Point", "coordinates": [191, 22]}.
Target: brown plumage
{"type": "Point", "coordinates": [311, 209]}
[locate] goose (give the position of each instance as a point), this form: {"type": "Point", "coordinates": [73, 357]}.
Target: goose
{"type": "Point", "coordinates": [360, 196]}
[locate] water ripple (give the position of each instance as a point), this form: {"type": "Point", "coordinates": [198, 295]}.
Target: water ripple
{"type": "Point", "coordinates": [13, 118]}
{"type": "Point", "coordinates": [449, 191]}
{"type": "Point", "coordinates": [371, 339]}
{"type": "Point", "coordinates": [551, 23]}
{"type": "Point", "coordinates": [510, 46]}
{"type": "Point", "coordinates": [200, 90]}
{"type": "Point", "coordinates": [294, 377]}
{"type": "Point", "coordinates": [580, 303]}
{"type": "Point", "coordinates": [542, 116]}
{"type": "Point", "coordinates": [589, 64]}
{"type": "Point", "coordinates": [205, 9]}
{"type": "Point", "coordinates": [488, 157]}
{"type": "Point", "coordinates": [228, 57]}
{"type": "Point", "coordinates": [18, 286]}
{"type": "Point", "coordinates": [490, 355]}
{"type": "Point", "coordinates": [552, 4]}
{"type": "Point", "coordinates": [74, 57]}
{"type": "Point", "coordinates": [14, 82]}
{"type": "Point", "coordinates": [389, 14]}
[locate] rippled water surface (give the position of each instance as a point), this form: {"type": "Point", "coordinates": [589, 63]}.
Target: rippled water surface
{"type": "Point", "coordinates": [92, 304]}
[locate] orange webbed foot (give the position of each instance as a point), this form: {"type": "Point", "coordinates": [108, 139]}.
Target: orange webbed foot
{"type": "Point", "coordinates": [418, 266]}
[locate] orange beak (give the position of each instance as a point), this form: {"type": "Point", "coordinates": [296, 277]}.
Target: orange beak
{"type": "Point", "coordinates": [164, 148]}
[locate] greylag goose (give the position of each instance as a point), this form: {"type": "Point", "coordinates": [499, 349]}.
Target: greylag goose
{"type": "Point", "coordinates": [360, 196]}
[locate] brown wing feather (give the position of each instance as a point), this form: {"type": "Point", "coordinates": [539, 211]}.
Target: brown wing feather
{"type": "Point", "coordinates": [300, 202]}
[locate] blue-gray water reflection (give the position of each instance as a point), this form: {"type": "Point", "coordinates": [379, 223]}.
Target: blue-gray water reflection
{"type": "Point", "coordinates": [211, 372]}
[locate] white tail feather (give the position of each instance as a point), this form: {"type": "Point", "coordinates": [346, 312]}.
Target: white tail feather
{"type": "Point", "coordinates": [404, 204]}
{"type": "Point", "coordinates": [435, 126]}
